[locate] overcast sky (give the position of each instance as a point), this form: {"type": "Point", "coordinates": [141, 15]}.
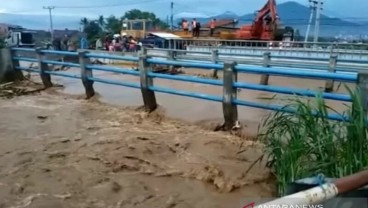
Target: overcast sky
{"type": "Point", "coordinates": [342, 8]}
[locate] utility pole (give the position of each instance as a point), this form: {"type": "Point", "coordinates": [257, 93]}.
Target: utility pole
{"type": "Point", "coordinates": [313, 9]}
{"type": "Point", "coordinates": [172, 16]}
{"type": "Point", "coordinates": [50, 8]}
{"type": "Point", "coordinates": [318, 20]}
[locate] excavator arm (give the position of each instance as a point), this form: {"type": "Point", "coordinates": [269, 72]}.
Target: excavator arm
{"type": "Point", "coordinates": [264, 26]}
{"type": "Point", "coordinates": [268, 10]}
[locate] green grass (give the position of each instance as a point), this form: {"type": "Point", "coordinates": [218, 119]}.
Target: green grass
{"type": "Point", "coordinates": [303, 145]}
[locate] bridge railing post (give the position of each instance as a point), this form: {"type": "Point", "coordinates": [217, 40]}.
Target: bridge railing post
{"type": "Point", "coordinates": [266, 63]}
{"type": "Point", "coordinates": [46, 78]}
{"type": "Point", "coordinates": [15, 63]}
{"type": "Point", "coordinates": [215, 59]}
{"type": "Point", "coordinates": [230, 109]}
{"type": "Point", "coordinates": [8, 71]}
{"type": "Point", "coordinates": [86, 74]}
{"type": "Point", "coordinates": [171, 56]}
{"type": "Point", "coordinates": [363, 90]}
{"type": "Point", "coordinates": [331, 68]}
{"type": "Point", "coordinates": [149, 98]}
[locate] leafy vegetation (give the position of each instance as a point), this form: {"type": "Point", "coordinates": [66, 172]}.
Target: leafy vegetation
{"type": "Point", "coordinates": [303, 145]}
{"type": "Point", "coordinates": [2, 43]}
{"type": "Point", "coordinates": [96, 27]}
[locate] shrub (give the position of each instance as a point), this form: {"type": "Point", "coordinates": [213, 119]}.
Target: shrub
{"type": "Point", "coordinates": [307, 143]}
{"type": "Point", "coordinates": [2, 43]}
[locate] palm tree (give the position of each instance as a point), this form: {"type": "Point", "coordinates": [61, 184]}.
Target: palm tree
{"type": "Point", "coordinates": [101, 22]}
{"type": "Point", "coordinates": [84, 22]}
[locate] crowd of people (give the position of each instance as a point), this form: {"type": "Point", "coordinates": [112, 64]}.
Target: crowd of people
{"type": "Point", "coordinates": [118, 43]}
{"type": "Point", "coordinates": [63, 44]}
{"type": "Point", "coordinates": [109, 43]}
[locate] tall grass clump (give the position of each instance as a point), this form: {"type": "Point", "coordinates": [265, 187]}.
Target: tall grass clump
{"type": "Point", "coordinates": [307, 143]}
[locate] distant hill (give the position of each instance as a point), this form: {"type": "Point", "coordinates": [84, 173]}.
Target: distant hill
{"type": "Point", "coordinates": [297, 16]}
{"type": "Point", "coordinates": [227, 15]}
{"type": "Point", "coordinates": [41, 22]}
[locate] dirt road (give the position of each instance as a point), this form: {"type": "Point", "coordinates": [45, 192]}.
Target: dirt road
{"type": "Point", "coordinates": [63, 151]}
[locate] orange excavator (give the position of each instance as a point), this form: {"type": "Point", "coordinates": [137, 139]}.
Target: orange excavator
{"type": "Point", "coordinates": [265, 26]}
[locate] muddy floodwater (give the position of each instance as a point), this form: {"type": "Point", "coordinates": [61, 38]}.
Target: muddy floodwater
{"type": "Point", "coordinates": [63, 151]}
{"type": "Point", "coordinates": [59, 150]}
{"type": "Point", "coordinates": [196, 110]}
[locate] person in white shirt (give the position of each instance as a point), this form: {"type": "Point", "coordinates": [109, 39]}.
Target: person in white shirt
{"type": "Point", "coordinates": [194, 26]}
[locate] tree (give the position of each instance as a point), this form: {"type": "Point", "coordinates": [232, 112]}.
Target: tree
{"type": "Point", "coordinates": [84, 22]}
{"type": "Point", "coordinates": [2, 43]}
{"type": "Point", "coordinates": [93, 30]}
{"type": "Point", "coordinates": [113, 24]}
{"type": "Point", "coordinates": [101, 22]}
{"type": "Point", "coordinates": [138, 14]}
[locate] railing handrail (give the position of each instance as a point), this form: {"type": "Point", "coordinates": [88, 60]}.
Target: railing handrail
{"type": "Point", "coordinates": [143, 59]}
{"type": "Point", "coordinates": [272, 41]}
{"type": "Point", "coordinates": [336, 51]}
{"type": "Point", "coordinates": [344, 60]}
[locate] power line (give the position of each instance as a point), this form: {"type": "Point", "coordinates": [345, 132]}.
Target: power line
{"type": "Point", "coordinates": [50, 8]}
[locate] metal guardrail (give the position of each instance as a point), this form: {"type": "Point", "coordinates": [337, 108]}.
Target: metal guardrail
{"type": "Point", "coordinates": [361, 55]}
{"type": "Point", "coordinates": [292, 45]}
{"type": "Point", "coordinates": [332, 63]}
{"type": "Point", "coordinates": [229, 82]}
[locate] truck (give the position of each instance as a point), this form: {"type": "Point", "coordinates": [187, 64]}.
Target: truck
{"type": "Point", "coordinates": [20, 39]}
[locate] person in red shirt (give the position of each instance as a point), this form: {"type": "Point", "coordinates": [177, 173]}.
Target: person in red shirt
{"type": "Point", "coordinates": [212, 26]}
{"type": "Point", "coordinates": [185, 26]}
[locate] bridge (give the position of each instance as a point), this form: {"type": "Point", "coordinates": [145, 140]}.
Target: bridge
{"type": "Point", "coordinates": [232, 83]}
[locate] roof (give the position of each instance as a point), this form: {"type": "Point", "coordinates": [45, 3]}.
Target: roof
{"type": "Point", "coordinates": [11, 26]}
{"type": "Point", "coordinates": [168, 36]}
{"type": "Point", "coordinates": [222, 22]}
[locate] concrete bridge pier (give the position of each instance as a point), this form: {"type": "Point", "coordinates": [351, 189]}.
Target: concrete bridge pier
{"type": "Point", "coordinates": [8, 72]}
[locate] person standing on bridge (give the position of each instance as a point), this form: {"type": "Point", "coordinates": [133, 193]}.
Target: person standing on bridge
{"type": "Point", "coordinates": [194, 27]}
{"type": "Point", "coordinates": [185, 26]}
{"type": "Point", "coordinates": [99, 45]}
{"type": "Point", "coordinates": [84, 42]}
{"type": "Point", "coordinates": [65, 43]}
{"type": "Point", "coordinates": [212, 26]}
